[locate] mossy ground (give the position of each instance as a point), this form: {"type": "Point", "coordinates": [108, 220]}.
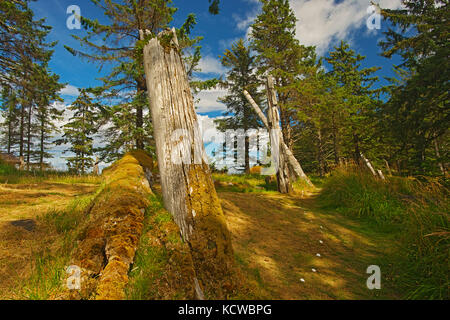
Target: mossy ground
{"type": "Point", "coordinates": [163, 267]}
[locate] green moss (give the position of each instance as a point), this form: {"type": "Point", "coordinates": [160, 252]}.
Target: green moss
{"type": "Point", "coordinates": [114, 226]}
{"type": "Point", "coordinates": [163, 267]}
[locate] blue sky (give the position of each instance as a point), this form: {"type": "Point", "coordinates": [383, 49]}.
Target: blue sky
{"type": "Point", "coordinates": [322, 23]}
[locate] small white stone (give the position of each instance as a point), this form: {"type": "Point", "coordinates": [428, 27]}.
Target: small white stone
{"type": "Point", "coordinates": [318, 254]}
{"type": "Point", "coordinates": [194, 213]}
{"type": "Point", "coordinates": [302, 280]}
{"type": "Point", "coordinates": [314, 270]}
{"type": "Point", "coordinates": [321, 242]}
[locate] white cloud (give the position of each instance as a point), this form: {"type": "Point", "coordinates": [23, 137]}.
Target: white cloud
{"type": "Point", "coordinates": [209, 64]}
{"type": "Point", "coordinates": [208, 100]}
{"type": "Point", "coordinates": [324, 22]}
{"type": "Point", "coordinates": [225, 44]}
{"type": "Point", "coordinates": [69, 90]}
{"type": "Point", "coordinates": [242, 24]}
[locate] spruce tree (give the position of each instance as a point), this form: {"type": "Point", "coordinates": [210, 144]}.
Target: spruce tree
{"type": "Point", "coordinates": [133, 22]}
{"type": "Point", "coordinates": [10, 114]}
{"type": "Point", "coordinates": [280, 54]}
{"type": "Point", "coordinates": [417, 112]}
{"type": "Point", "coordinates": [241, 76]}
{"type": "Point", "coordinates": [78, 133]}
{"type": "Point", "coordinates": [356, 101]}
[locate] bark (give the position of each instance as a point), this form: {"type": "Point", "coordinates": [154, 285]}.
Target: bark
{"type": "Point", "coordinates": [276, 139]}
{"type": "Point", "coordinates": [9, 136]}
{"type": "Point", "coordinates": [29, 137]}
{"type": "Point", "coordinates": [357, 154]}
{"type": "Point", "coordinates": [320, 153]}
{"type": "Point", "coordinates": [293, 163]}
{"type": "Point", "coordinates": [187, 186]}
{"type": "Point", "coordinates": [22, 129]}
{"type": "Point", "coordinates": [140, 115]}
{"type": "Point", "coordinates": [247, 155]}
{"type": "Point", "coordinates": [377, 173]}
{"type": "Point", "coordinates": [368, 164]}
{"type": "Point", "coordinates": [258, 161]}
{"type": "Point", "coordinates": [335, 144]}
{"type": "Point", "coordinates": [388, 167]}
{"type": "Point", "coordinates": [41, 156]}
{"type": "Point", "coordinates": [438, 155]}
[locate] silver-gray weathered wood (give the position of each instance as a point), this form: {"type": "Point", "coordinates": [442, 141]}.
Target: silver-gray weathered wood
{"type": "Point", "coordinates": [294, 165]}
{"type": "Point", "coordinates": [187, 186]}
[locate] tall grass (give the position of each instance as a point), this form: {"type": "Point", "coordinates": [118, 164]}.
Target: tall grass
{"type": "Point", "coordinates": [244, 183]}
{"type": "Point", "coordinates": [416, 211]}
{"type": "Point", "coordinates": [63, 225]}
{"type": "Point", "coordinates": [10, 174]}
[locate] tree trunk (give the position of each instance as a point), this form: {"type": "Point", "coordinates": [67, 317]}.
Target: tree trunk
{"type": "Point", "coordinates": [247, 154]}
{"type": "Point", "coordinates": [438, 156]}
{"type": "Point", "coordinates": [140, 115]}
{"type": "Point", "coordinates": [29, 136]}
{"type": "Point", "coordinates": [294, 165]}
{"type": "Point", "coordinates": [187, 186]}
{"type": "Point", "coordinates": [377, 173]}
{"type": "Point", "coordinates": [388, 167]}
{"type": "Point", "coordinates": [357, 152]}
{"type": "Point", "coordinates": [320, 152]}
{"type": "Point", "coordinates": [22, 129]}
{"type": "Point", "coordinates": [10, 130]}
{"type": "Point", "coordinates": [258, 161]}
{"type": "Point", "coordinates": [335, 144]}
{"type": "Point", "coordinates": [41, 156]}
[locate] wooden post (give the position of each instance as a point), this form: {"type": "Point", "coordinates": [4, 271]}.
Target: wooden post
{"type": "Point", "coordinates": [187, 186]}
{"type": "Point", "coordinates": [377, 173]}
{"type": "Point", "coordinates": [22, 163]}
{"type": "Point", "coordinates": [276, 139]}
{"type": "Point", "coordinates": [388, 167]}
{"type": "Point", "coordinates": [95, 169]}
{"type": "Point", "coordinates": [294, 165]}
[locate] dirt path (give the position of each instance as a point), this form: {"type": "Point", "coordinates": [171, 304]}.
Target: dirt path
{"type": "Point", "coordinates": [22, 236]}
{"type": "Point", "coordinates": [293, 251]}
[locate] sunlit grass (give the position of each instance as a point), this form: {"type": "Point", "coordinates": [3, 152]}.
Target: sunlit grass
{"type": "Point", "coordinates": [11, 175]}
{"type": "Point", "coordinates": [417, 211]}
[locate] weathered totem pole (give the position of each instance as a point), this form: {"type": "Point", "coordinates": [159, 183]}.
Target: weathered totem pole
{"type": "Point", "coordinates": [295, 170]}
{"type": "Point", "coordinates": [187, 186]}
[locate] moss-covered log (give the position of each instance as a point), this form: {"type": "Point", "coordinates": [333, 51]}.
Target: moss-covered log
{"type": "Point", "coordinates": [187, 186]}
{"type": "Point", "coordinates": [110, 234]}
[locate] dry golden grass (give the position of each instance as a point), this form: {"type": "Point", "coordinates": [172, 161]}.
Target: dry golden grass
{"type": "Point", "coordinates": [276, 239]}
{"type": "Point", "coordinates": [20, 249]}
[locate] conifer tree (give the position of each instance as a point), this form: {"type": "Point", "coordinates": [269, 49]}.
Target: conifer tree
{"type": "Point", "coordinates": [280, 54]}
{"type": "Point", "coordinates": [241, 76]}
{"type": "Point", "coordinates": [356, 102]}
{"type": "Point", "coordinates": [417, 112]}
{"type": "Point", "coordinates": [133, 22]}
{"type": "Point", "coordinates": [10, 122]}
{"type": "Point", "coordinates": [79, 131]}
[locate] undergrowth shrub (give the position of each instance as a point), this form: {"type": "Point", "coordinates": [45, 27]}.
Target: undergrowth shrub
{"type": "Point", "coordinates": [415, 208]}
